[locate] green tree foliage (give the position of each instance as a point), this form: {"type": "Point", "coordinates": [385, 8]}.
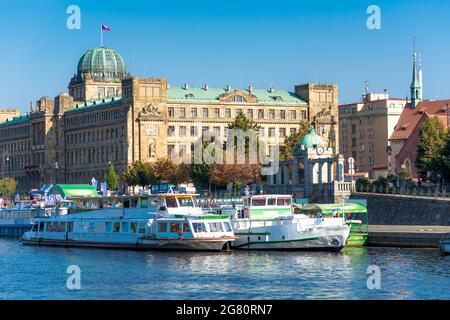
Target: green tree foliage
{"type": "Point", "coordinates": [8, 187]}
{"type": "Point", "coordinates": [243, 123]}
{"type": "Point", "coordinates": [111, 177]}
{"type": "Point", "coordinates": [292, 141]}
{"type": "Point", "coordinates": [363, 183]}
{"type": "Point", "coordinates": [431, 149]}
{"type": "Point", "coordinates": [138, 174]}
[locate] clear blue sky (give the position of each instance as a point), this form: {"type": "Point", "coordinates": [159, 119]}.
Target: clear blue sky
{"type": "Point", "coordinates": [234, 41]}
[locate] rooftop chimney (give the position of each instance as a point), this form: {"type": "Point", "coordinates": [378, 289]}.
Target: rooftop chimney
{"type": "Point", "coordinates": [228, 87]}
{"type": "Point", "coordinates": [250, 89]}
{"type": "Point", "coordinates": [186, 86]}
{"type": "Point", "coordinates": [206, 87]}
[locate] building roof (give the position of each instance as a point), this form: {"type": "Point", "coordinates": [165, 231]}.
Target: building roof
{"type": "Point", "coordinates": [74, 190]}
{"type": "Point", "coordinates": [179, 94]}
{"type": "Point", "coordinates": [410, 117]}
{"type": "Point", "coordinates": [101, 64]}
{"type": "Point", "coordinates": [312, 139]}
{"type": "Point", "coordinates": [15, 120]}
{"type": "Point", "coordinates": [91, 104]}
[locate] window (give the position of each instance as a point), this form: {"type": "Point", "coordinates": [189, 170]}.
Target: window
{"type": "Point", "coordinates": [125, 227]}
{"type": "Point", "coordinates": [238, 99]}
{"type": "Point", "coordinates": [227, 226]}
{"type": "Point", "coordinates": [162, 227]}
{"type": "Point", "coordinates": [182, 131]}
{"type": "Point", "coordinates": [216, 131]}
{"type": "Point", "coordinates": [171, 202]}
{"type": "Point", "coordinates": [277, 98]}
{"type": "Point", "coordinates": [194, 112]}
{"type": "Point", "coordinates": [182, 112]}
{"type": "Point", "coordinates": [353, 142]}
{"type": "Point", "coordinates": [283, 114]}
{"type": "Point", "coordinates": [260, 114]}
{"type": "Point", "coordinates": [292, 131]}
{"type": "Point", "coordinates": [271, 132]}
{"type": "Point", "coordinates": [250, 113]}
{"type": "Point", "coordinates": [216, 113]}
{"type": "Point", "coordinates": [361, 134]}
{"type": "Point", "coordinates": [283, 202]}
{"type": "Point", "coordinates": [303, 114]}
{"type": "Point", "coordinates": [205, 112]}
{"type": "Point", "coordinates": [194, 131]}
{"type": "Point", "coordinates": [101, 92]}
{"type": "Point", "coordinates": [293, 114]}
{"type": "Point", "coordinates": [175, 227]}
{"type": "Point", "coordinates": [199, 227]}
{"type": "Point", "coordinates": [271, 201]}
{"type": "Point", "coordinates": [170, 131]}
{"type": "Point", "coordinates": [171, 111]}
{"type": "Point", "coordinates": [141, 228]}
{"type": "Point", "coordinates": [108, 227]}
{"type": "Point", "coordinates": [282, 132]}
{"type": "Point", "coordinates": [116, 227]}
{"type": "Point", "coordinates": [371, 134]}
{"type": "Point", "coordinates": [227, 113]}
{"type": "Point", "coordinates": [186, 202]}
{"type": "Point", "coordinates": [215, 227]}
{"type": "Point", "coordinates": [271, 114]}
{"type": "Point", "coordinates": [186, 228]}
{"type": "Point", "coordinates": [170, 148]}
{"type": "Point", "coordinates": [133, 227]}
{"type": "Point", "coordinates": [361, 147]}
{"type": "Point", "coordinates": [371, 120]}
{"type": "Point", "coordinates": [205, 130]}
{"type": "Point", "coordinates": [258, 202]}
{"type": "Point", "coordinates": [353, 128]}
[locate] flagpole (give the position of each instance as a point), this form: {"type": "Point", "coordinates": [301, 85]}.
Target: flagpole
{"type": "Point", "coordinates": [101, 36]}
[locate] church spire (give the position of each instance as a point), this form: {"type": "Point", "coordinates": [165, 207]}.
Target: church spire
{"type": "Point", "coordinates": [416, 85]}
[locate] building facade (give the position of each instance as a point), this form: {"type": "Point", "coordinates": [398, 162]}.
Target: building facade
{"type": "Point", "coordinates": [111, 117]}
{"type": "Point", "coordinates": [365, 128]}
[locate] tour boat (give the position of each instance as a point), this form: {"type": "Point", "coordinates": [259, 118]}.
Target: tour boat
{"type": "Point", "coordinates": [163, 221]}
{"type": "Point", "coordinates": [267, 222]}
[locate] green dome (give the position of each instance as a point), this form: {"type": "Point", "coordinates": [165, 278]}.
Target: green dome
{"type": "Point", "coordinates": [312, 140]}
{"type": "Point", "coordinates": [101, 64]}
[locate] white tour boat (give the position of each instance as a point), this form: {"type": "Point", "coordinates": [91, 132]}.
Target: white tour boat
{"type": "Point", "coordinates": [163, 221]}
{"type": "Point", "coordinates": [267, 222]}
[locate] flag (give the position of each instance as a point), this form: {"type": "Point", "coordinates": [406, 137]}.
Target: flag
{"type": "Point", "coordinates": [106, 28]}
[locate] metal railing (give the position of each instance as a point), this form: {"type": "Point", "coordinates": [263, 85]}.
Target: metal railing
{"type": "Point", "coordinates": [415, 191]}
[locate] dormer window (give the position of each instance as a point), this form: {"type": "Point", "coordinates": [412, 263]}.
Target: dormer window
{"type": "Point", "coordinates": [277, 98]}
{"type": "Point", "coordinates": [189, 96]}
{"type": "Point", "coordinates": [238, 99]}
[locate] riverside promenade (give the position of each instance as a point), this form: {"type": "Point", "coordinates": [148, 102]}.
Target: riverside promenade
{"type": "Point", "coordinates": [406, 220]}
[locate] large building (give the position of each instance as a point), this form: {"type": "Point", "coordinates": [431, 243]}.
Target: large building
{"type": "Point", "coordinates": [405, 137]}
{"type": "Point", "coordinates": [110, 116]}
{"type": "Point", "coordinates": [365, 128]}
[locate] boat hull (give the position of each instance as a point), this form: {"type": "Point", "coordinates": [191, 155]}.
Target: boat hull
{"type": "Point", "coordinates": [172, 245]}
{"type": "Point", "coordinates": [291, 235]}
{"type": "Point", "coordinates": [444, 246]}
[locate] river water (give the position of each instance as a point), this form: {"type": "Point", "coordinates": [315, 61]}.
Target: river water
{"type": "Point", "coordinates": [28, 272]}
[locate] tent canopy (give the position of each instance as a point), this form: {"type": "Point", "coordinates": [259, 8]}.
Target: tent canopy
{"type": "Point", "coordinates": [329, 208]}
{"type": "Point", "coordinates": [74, 190]}
{"type": "Point", "coordinates": [42, 191]}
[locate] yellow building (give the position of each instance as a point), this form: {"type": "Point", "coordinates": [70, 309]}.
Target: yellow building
{"type": "Point", "coordinates": [365, 128]}
{"type": "Point", "coordinates": [110, 116]}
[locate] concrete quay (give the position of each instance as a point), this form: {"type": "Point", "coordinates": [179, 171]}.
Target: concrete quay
{"type": "Point", "coordinates": [406, 236]}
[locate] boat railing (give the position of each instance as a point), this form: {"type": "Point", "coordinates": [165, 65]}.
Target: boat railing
{"type": "Point", "coordinates": [31, 213]}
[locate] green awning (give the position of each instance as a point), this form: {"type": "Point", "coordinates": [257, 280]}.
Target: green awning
{"type": "Point", "coordinates": [74, 190]}
{"type": "Point", "coordinates": [329, 208]}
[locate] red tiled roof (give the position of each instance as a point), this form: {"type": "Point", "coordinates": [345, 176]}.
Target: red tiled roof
{"type": "Point", "coordinates": [410, 118]}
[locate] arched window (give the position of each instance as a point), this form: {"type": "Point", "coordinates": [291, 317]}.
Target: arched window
{"type": "Point", "coordinates": [238, 99]}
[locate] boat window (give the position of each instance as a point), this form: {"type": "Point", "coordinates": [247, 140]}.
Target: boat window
{"type": "Point", "coordinates": [118, 204]}
{"type": "Point", "coordinates": [271, 201]}
{"type": "Point", "coordinates": [227, 226]}
{"type": "Point", "coordinates": [116, 227]}
{"type": "Point", "coordinates": [171, 202]}
{"type": "Point", "coordinates": [134, 203]}
{"type": "Point", "coordinates": [47, 226]}
{"type": "Point", "coordinates": [144, 203]}
{"type": "Point", "coordinates": [142, 227]}
{"type": "Point", "coordinates": [174, 227]}
{"type": "Point", "coordinates": [259, 202]}
{"type": "Point", "coordinates": [35, 227]}
{"type": "Point", "coordinates": [133, 226]}
{"type": "Point", "coordinates": [41, 226]}
{"type": "Point", "coordinates": [185, 202]}
{"type": "Point", "coordinates": [62, 227]}
{"type": "Point", "coordinates": [162, 227]}
{"type": "Point", "coordinates": [126, 203]}
{"type": "Point", "coordinates": [108, 226]}
{"type": "Point", "coordinates": [69, 226]}
{"type": "Point", "coordinates": [125, 227]}
{"type": "Point", "coordinates": [283, 201]}
{"type": "Point", "coordinates": [199, 227]}
{"type": "Point", "coordinates": [186, 227]}
{"type": "Point", "coordinates": [215, 227]}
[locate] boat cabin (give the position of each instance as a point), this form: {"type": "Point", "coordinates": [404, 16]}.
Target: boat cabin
{"type": "Point", "coordinates": [263, 207]}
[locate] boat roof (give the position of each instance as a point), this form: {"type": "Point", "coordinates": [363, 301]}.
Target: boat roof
{"type": "Point", "coordinates": [159, 195]}
{"type": "Point", "coordinates": [330, 207]}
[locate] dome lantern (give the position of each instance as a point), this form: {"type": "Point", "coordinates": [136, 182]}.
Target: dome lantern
{"type": "Point", "coordinates": [312, 140]}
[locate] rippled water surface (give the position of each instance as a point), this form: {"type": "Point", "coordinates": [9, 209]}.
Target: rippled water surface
{"type": "Point", "coordinates": [28, 272]}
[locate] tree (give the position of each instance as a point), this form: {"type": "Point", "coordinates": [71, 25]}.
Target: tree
{"type": "Point", "coordinates": [138, 174]}
{"type": "Point", "coordinates": [292, 141]}
{"type": "Point", "coordinates": [443, 158]}
{"type": "Point", "coordinates": [180, 174]}
{"type": "Point", "coordinates": [432, 136]}
{"type": "Point", "coordinates": [111, 177]}
{"type": "Point", "coordinates": [8, 187]}
{"type": "Point", "coordinates": [238, 174]}
{"type": "Point", "coordinates": [362, 183]}
{"type": "Point", "coordinates": [243, 123]}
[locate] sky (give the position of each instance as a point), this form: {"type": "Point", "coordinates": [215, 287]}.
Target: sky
{"type": "Point", "coordinates": [234, 42]}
